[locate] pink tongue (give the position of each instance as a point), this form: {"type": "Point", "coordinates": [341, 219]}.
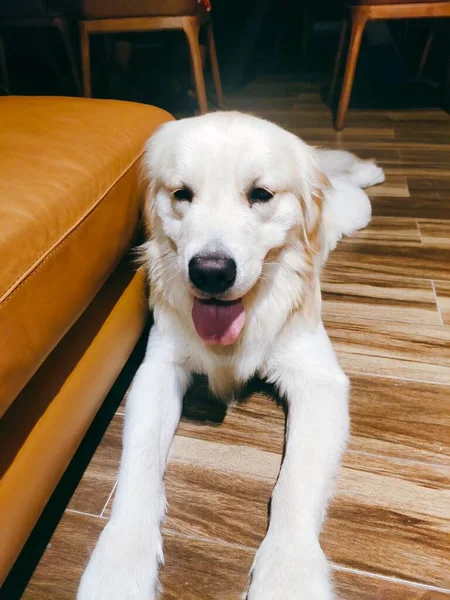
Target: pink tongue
{"type": "Point", "coordinates": [218, 323]}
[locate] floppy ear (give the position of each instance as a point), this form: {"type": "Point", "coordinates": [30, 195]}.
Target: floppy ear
{"type": "Point", "coordinates": [313, 204]}
{"type": "Point", "coordinates": [310, 185]}
{"type": "Point", "coordinates": [156, 155]}
{"type": "Point", "coordinates": [313, 242]}
{"type": "Point", "coordinates": [312, 188]}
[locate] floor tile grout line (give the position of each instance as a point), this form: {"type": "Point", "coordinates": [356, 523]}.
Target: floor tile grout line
{"type": "Point", "coordinates": [336, 567]}
{"type": "Point", "coordinates": [85, 514]}
{"type": "Point", "coordinates": [371, 574]}
{"type": "Point", "coordinates": [109, 498]}
{"type": "Point", "coordinates": [437, 302]}
{"type": "Point", "coordinates": [398, 359]}
{"type": "Point", "coordinates": [395, 377]}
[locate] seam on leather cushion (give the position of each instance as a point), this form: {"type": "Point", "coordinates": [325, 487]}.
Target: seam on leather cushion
{"type": "Point", "coordinates": [34, 268]}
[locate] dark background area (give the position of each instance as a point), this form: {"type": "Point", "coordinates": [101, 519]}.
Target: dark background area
{"type": "Point", "coordinates": [254, 39]}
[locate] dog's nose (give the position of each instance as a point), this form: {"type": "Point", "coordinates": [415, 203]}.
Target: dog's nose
{"type": "Point", "coordinates": [212, 273]}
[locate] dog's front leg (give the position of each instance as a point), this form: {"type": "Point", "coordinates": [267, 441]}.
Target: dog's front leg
{"type": "Point", "coordinates": [124, 565]}
{"type": "Point", "coordinates": [290, 564]}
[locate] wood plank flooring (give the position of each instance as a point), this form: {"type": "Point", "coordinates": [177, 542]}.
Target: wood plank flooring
{"type": "Point", "coordinates": [386, 305]}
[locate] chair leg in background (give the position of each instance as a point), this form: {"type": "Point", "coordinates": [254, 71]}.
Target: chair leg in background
{"type": "Point", "coordinates": [359, 20]}
{"type": "Point", "coordinates": [338, 61]}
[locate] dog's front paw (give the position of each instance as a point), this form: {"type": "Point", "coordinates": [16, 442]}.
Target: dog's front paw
{"type": "Point", "coordinates": [288, 569]}
{"type": "Point", "coordinates": [123, 566]}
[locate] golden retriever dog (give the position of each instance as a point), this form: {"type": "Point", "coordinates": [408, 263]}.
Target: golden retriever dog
{"type": "Point", "coordinates": [241, 216]}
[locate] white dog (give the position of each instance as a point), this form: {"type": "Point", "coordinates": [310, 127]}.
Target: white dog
{"type": "Point", "coordinates": [241, 216]}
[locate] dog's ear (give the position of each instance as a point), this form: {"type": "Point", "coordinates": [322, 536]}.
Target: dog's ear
{"type": "Point", "coordinates": [310, 185]}
{"type": "Point", "coordinates": [159, 148]}
{"type": "Point", "coordinates": [313, 185]}
{"type": "Point", "coordinates": [314, 246]}
{"type": "Point", "coordinates": [313, 204]}
{"type": "Point", "coordinates": [153, 163]}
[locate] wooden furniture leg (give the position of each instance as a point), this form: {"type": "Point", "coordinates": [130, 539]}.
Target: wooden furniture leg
{"type": "Point", "coordinates": [191, 29]}
{"type": "Point", "coordinates": [338, 61]}
{"type": "Point", "coordinates": [359, 20]}
{"type": "Point", "coordinates": [4, 79]}
{"type": "Point", "coordinates": [215, 66]}
{"type": "Point", "coordinates": [85, 59]}
{"type": "Point", "coordinates": [63, 27]}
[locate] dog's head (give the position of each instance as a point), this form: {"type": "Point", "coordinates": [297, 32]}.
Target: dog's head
{"type": "Point", "coordinates": [229, 194]}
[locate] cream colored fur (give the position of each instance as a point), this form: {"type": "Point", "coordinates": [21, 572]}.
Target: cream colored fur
{"type": "Point", "coordinates": [279, 248]}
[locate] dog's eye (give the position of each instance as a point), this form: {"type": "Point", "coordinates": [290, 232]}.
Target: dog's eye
{"type": "Point", "coordinates": [259, 195]}
{"type": "Point", "coordinates": [183, 193]}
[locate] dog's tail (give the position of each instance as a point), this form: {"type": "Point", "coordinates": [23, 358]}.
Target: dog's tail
{"type": "Point", "coordinates": [339, 163]}
{"type": "Point", "coordinates": [346, 210]}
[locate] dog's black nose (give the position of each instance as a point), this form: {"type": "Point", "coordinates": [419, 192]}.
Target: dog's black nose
{"type": "Point", "coordinates": [212, 273]}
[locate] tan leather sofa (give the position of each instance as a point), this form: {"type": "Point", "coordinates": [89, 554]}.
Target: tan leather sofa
{"type": "Point", "coordinates": [72, 306]}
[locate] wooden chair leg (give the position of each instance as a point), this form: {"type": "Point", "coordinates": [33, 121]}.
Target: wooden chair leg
{"type": "Point", "coordinates": [63, 27]}
{"type": "Point", "coordinates": [215, 66]}
{"type": "Point", "coordinates": [4, 79]}
{"type": "Point", "coordinates": [359, 20]}
{"type": "Point", "coordinates": [191, 29]}
{"type": "Point", "coordinates": [338, 61]}
{"type": "Point", "coordinates": [85, 59]}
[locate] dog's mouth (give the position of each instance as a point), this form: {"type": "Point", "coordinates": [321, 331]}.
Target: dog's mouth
{"type": "Point", "coordinates": [218, 321]}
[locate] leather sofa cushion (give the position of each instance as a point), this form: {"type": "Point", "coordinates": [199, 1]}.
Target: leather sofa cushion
{"type": "Point", "coordinates": [44, 426]}
{"type": "Point", "coordinates": [69, 208]}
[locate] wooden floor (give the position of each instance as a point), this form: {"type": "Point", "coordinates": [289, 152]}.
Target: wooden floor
{"type": "Point", "coordinates": [387, 309]}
